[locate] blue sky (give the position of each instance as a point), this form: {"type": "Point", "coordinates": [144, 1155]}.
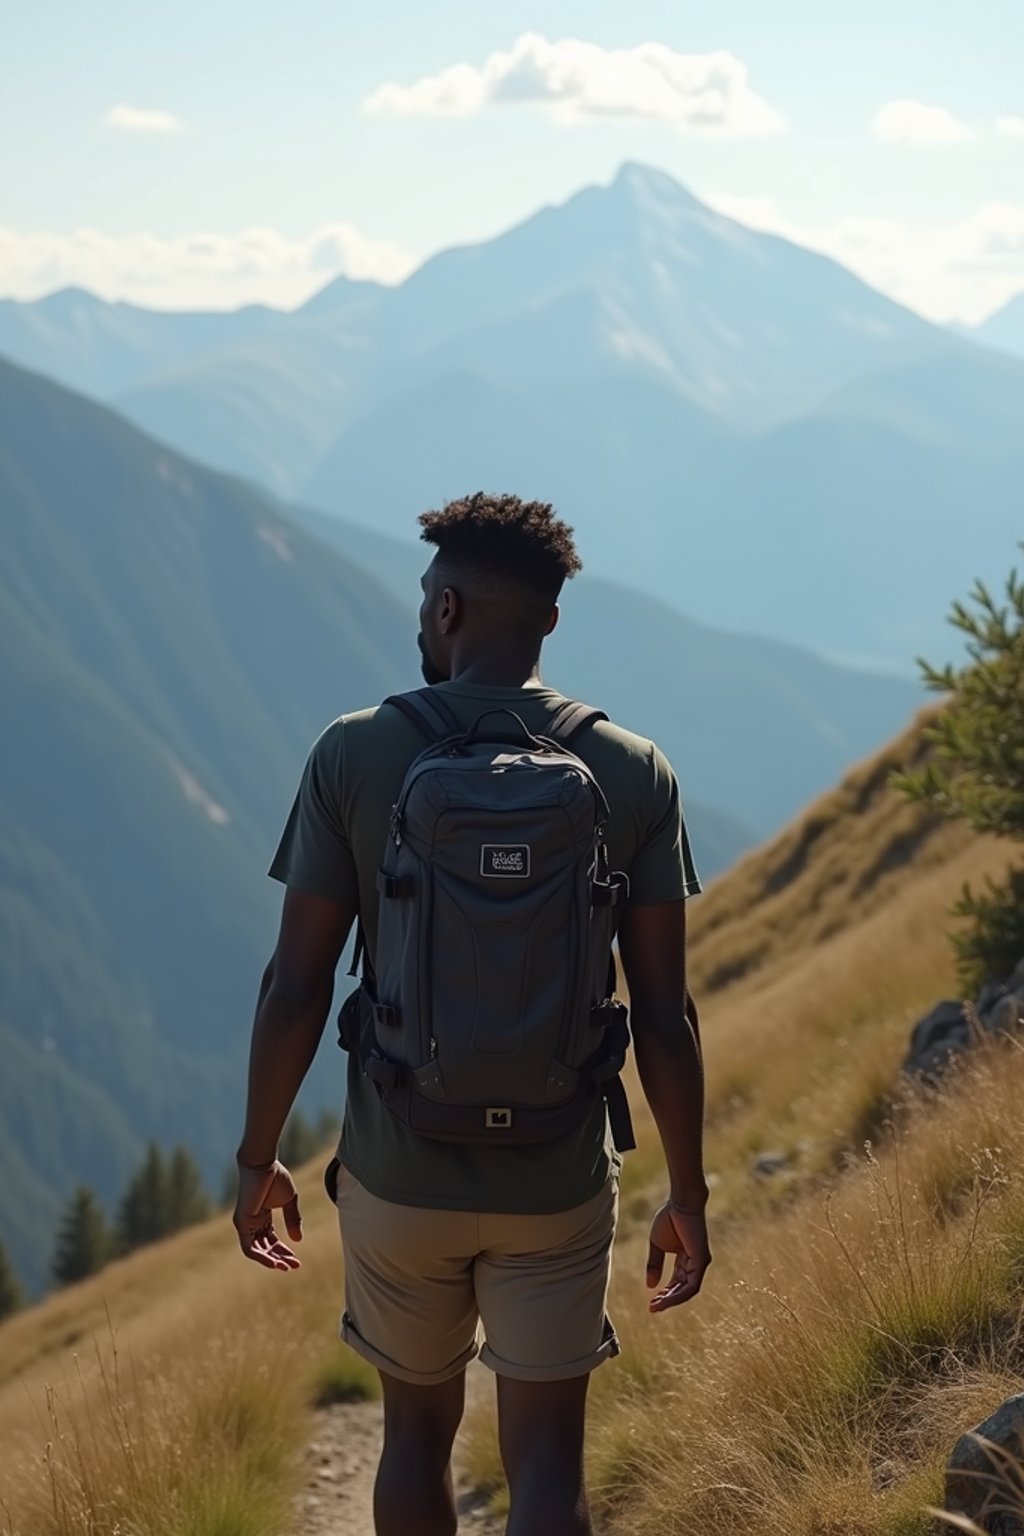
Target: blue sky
{"type": "Point", "coordinates": [216, 153]}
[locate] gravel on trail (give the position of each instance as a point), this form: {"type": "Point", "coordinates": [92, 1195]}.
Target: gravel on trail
{"type": "Point", "coordinates": [341, 1463]}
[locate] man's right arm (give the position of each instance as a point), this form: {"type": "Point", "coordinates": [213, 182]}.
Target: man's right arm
{"type": "Point", "coordinates": [652, 943]}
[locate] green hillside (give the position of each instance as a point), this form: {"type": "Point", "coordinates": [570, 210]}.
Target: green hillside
{"type": "Point", "coordinates": [171, 648]}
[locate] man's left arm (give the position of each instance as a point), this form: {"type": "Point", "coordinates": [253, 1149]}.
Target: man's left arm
{"type": "Point", "coordinates": [294, 1001]}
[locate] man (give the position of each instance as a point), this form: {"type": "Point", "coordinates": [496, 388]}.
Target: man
{"type": "Point", "coordinates": [439, 1235]}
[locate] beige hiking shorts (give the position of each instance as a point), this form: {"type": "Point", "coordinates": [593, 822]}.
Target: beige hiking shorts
{"type": "Point", "coordinates": [419, 1283]}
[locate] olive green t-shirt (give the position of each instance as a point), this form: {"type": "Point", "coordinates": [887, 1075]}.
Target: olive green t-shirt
{"type": "Point", "coordinates": [333, 845]}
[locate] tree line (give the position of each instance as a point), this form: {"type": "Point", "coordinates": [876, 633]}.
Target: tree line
{"type": "Point", "coordinates": [165, 1195]}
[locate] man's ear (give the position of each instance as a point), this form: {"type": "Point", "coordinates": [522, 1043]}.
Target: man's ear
{"type": "Point", "coordinates": [552, 623]}
{"type": "Point", "coordinates": [451, 610]}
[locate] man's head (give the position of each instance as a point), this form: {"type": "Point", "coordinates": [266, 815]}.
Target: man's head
{"type": "Point", "coordinates": [494, 581]}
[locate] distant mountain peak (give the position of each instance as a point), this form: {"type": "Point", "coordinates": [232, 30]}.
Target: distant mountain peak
{"type": "Point", "coordinates": [634, 177]}
{"type": "Point", "coordinates": [337, 293]}
{"type": "Point", "coordinates": [63, 299]}
{"type": "Point", "coordinates": [1013, 306]}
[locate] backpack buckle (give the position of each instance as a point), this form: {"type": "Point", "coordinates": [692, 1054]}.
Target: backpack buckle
{"type": "Point", "coordinates": [382, 1072]}
{"type": "Point", "coordinates": [394, 887]}
{"type": "Point", "coordinates": [384, 1013]}
{"type": "Point", "coordinates": [608, 1014]}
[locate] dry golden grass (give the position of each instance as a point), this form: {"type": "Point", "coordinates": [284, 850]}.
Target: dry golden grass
{"type": "Point", "coordinates": [842, 1344]}
{"type": "Point", "coordinates": [863, 1308]}
{"type": "Point", "coordinates": [170, 1395]}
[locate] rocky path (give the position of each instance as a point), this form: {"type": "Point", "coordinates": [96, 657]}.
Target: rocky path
{"type": "Point", "coordinates": [341, 1463]}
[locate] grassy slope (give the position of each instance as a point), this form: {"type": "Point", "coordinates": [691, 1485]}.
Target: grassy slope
{"type": "Point", "coordinates": [861, 1310]}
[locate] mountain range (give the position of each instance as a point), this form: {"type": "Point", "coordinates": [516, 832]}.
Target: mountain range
{"type": "Point", "coordinates": [736, 425]}
{"type": "Point", "coordinates": [174, 639]}
{"type": "Point", "coordinates": [170, 651]}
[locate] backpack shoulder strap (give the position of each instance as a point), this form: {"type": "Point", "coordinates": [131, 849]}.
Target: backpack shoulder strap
{"type": "Point", "coordinates": [432, 716]}
{"type": "Point", "coordinates": [571, 720]}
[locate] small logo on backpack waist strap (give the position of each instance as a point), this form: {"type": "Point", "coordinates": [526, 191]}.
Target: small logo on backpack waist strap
{"type": "Point", "coordinates": [498, 1119]}
{"type": "Point", "coordinates": [506, 860]}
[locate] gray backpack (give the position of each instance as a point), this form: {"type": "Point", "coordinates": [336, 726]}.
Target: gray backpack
{"type": "Point", "coordinates": [490, 1016]}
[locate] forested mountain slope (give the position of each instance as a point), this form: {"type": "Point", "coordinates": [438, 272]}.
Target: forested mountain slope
{"type": "Point", "coordinates": [171, 647]}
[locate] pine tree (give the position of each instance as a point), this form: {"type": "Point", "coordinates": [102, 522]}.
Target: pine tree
{"type": "Point", "coordinates": [229, 1186]}
{"type": "Point", "coordinates": [187, 1200]}
{"type": "Point", "coordinates": [11, 1294]}
{"type": "Point", "coordinates": [976, 773]}
{"type": "Point", "coordinates": [299, 1141]}
{"type": "Point", "coordinates": [328, 1124]}
{"type": "Point", "coordinates": [83, 1240]}
{"type": "Point", "coordinates": [144, 1214]}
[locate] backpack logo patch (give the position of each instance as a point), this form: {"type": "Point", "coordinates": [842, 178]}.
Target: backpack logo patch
{"type": "Point", "coordinates": [508, 861]}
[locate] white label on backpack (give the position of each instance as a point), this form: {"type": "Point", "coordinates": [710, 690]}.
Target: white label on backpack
{"type": "Point", "coordinates": [508, 861]}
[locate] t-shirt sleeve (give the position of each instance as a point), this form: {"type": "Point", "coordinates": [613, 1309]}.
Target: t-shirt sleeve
{"type": "Point", "coordinates": [663, 868]}
{"type": "Point", "coordinates": [314, 853]}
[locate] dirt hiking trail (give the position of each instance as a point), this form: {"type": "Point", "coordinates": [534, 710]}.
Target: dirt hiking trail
{"type": "Point", "coordinates": [341, 1463]}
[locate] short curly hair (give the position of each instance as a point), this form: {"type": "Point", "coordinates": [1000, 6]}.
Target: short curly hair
{"type": "Point", "coordinates": [507, 538]}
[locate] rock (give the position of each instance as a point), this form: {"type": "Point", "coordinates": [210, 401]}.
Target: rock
{"type": "Point", "coordinates": [1006, 1016]}
{"type": "Point", "coordinates": [988, 997]}
{"type": "Point", "coordinates": [939, 1035]}
{"type": "Point", "coordinates": [769, 1163]}
{"type": "Point", "coordinates": [973, 1487]}
{"type": "Point", "coordinates": [1017, 979]}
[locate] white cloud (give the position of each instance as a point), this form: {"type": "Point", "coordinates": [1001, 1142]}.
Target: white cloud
{"type": "Point", "coordinates": [1011, 127]}
{"type": "Point", "coordinates": [700, 93]}
{"type": "Point", "coordinates": [203, 269]}
{"type": "Point", "coordinates": [945, 269]}
{"type": "Point", "coordinates": [142, 120]}
{"type": "Point", "coordinates": [918, 124]}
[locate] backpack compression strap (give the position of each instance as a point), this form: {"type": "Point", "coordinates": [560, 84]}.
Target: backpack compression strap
{"type": "Point", "coordinates": [432, 715]}
{"type": "Point", "coordinates": [570, 720]}
{"type": "Point", "coordinates": [434, 718]}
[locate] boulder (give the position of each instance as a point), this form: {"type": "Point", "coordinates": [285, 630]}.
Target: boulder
{"type": "Point", "coordinates": [1005, 1017]}
{"type": "Point", "coordinates": [991, 993]}
{"type": "Point", "coordinates": [978, 1484]}
{"type": "Point", "coordinates": [940, 1034]}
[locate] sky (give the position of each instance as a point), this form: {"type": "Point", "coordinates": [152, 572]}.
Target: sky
{"type": "Point", "coordinates": [213, 154]}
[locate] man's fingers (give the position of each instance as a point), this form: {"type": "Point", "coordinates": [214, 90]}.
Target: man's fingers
{"type": "Point", "coordinates": [284, 1256]}
{"type": "Point", "coordinates": [293, 1219]}
{"type": "Point", "coordinates": [655, 1265]}
{"type": "Point", "coordinates": [687, 1278]}
{"type": "Point", "coordinates": [266, 1249]}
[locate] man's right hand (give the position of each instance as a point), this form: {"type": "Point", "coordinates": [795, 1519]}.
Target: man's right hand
{"type": "Point", "coordinates": [684, 1233]}
{"type": "Point", "coordinates": [261, 1191]}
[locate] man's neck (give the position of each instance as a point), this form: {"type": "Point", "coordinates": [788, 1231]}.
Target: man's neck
{"type": "Point", "coordinates": [497, 671]}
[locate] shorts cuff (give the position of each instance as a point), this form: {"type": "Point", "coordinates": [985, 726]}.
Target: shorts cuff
{"type": "Point", "coordinates": [354, 1339]}
{"type": "Point", "coordinates": [607, 1350]}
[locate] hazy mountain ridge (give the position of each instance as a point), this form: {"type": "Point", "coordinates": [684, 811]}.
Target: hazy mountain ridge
{"type": "Point", "coordinates": [710, 405]}
{"type": "Point", "coordinates": [715, 701]}
{"type": "Point", "coordinates": [172, 647]}
{"type": "Point", "coordinates": [1005, 329]}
